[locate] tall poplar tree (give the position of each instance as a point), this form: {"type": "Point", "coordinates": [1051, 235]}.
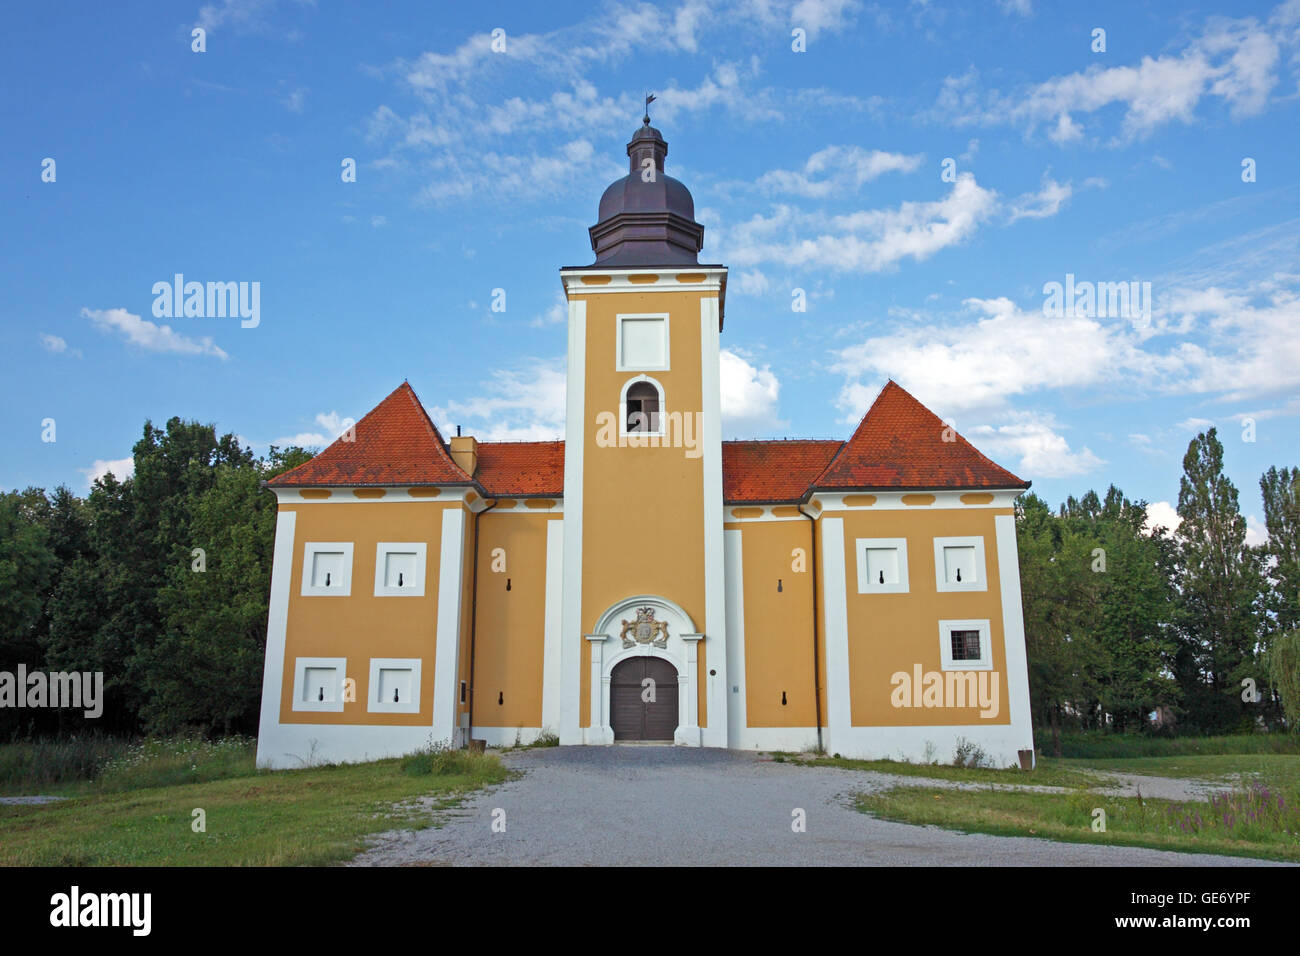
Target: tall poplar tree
{"type": "Point", "coordinates": [1219, 585]}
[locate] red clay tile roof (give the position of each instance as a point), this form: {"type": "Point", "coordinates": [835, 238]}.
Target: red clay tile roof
{"type": "Point", "coordinates": [900, 444]}
{"type": "Point", "coordinates": [521, 468]}
{"type": "Point", "coordinates": [396, 444]}
{"type": "Point", "coordinates": [770, 471]}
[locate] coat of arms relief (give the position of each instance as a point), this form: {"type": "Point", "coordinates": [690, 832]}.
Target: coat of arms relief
{"type": "Point", "coordinates": [645, 629]}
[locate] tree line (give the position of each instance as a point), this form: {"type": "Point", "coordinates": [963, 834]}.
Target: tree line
{"type": "Point", "coordinates": [1131, 628]}
{"type": "Point", "coordinates": [161, 582]}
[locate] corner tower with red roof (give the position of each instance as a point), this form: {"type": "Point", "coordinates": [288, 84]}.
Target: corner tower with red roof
{"type": "Point", "coordinates": [642, 579]}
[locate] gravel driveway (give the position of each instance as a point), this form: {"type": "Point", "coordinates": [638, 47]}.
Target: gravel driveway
{"type": "Point", "coordinates": [664, 806]}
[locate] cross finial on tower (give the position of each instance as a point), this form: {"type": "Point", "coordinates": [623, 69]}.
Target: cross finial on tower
{"type": "Point", "coordinates": [649, 98]}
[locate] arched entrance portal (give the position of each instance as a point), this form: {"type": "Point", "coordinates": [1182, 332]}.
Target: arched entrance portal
{"type": "Point", "coordinates": [643, 699]}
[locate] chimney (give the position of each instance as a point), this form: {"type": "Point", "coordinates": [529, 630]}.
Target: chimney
{"type": "Point", "coordinates": [464, 452]}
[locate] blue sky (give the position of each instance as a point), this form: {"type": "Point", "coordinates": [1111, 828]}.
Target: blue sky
{"type": "Point", "coordinates": [820, 170]}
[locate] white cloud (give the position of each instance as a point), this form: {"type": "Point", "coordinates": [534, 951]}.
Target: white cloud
{"type": "Point", "coordinates": [752, 282]}
{"type": "Point", "coordinates": [1161, 514]}
{"type": "Point", "coordinates": [243, 14]}
{"type": "Point", "coordinates": [523, 404]}
{"type": "Point", "coordinates": [53, 343]}
{"type": "Point", "coordinates": [864, 241]}
{"type": "Point", "coordinates": [1033, 440]}
{"type": "Point", "coordinates": [1244, 348]}
{"type": "Point", "coordinates": [295, 99]}
{"type": "Point", "coordinates": [1256, 532]}
{"type": "Point", "coordinates": [150, 337]}
{"type": "Point", "coordinates": [332, 422]}
{"type": "Point", "coordinates": [122, 469]}
{"type": "Point", "coordinates": [837, 169]}
{"type": "Point", "coordinates": [1007, 352]}
{"type": "Point", "coordinates": [1040, 205]}
{"type": "Point", "coordinates": [1234, 61]}
{"type": "Point", "coordinates": [817, 16]}
{"type": "Point", "coordinates": [749, 397]}
{"type": "Point", "coordinates": [556, 314]}
{"type": "Point", "coordinates": [303, 440]}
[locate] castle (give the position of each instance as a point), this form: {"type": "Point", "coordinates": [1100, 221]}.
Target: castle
{"type": "Point", "coordinates": [644, 580]}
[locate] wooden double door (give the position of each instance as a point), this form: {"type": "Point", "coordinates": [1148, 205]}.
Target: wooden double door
{"type": "Point", "coordinates": [643, 699]}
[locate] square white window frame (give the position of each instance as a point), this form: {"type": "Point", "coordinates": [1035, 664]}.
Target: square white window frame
{"type": "Point", "coordinates": [300, 667]}
{"type": "Point", "coordinates": [312, 548]}
{"type": "Point", "coordinates": [862, 545]}
{"type": "Point", "coordinates": [985, 662]}
{"type": "Point", "coordinates": [981, 568]}
{"type": "Point", "coordinates": [382, 550]}
{"type": "Point", "coordinates": [376, 706]}
{"type": "Point", "coordinates": [618, 343]}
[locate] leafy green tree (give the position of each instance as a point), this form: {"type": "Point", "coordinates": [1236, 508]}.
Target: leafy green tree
{"type": "Point", "coordinates": [27, 568]}
{"type": "Point", "coordinates": [1131, 606]}
{"type": "Point", "coordinates": [1284, 674]}
{"type": "Point", "coordinates": [1219, 587]}
{"type": "Point", "coordinates": [1281, 491]}
{"type": "Point", "coordinates": [205, 670]}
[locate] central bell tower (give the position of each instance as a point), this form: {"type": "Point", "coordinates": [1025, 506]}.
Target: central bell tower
{"type": "Point", "coordinates": [643, 456]}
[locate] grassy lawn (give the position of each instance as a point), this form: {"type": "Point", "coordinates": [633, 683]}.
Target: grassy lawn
{"type": "Point", "coordinates": [138, 808]}
{"type": "Point", "coordinates": [1198, 827]}
{"type": "Point", "coordinates": [1259, 817]}
{"type": "Point", "coordinates": [1048, 773]}
{"type": "Point", "coordinates": [1276, 767]}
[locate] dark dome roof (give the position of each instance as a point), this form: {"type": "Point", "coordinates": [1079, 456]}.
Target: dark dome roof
{"type": "Point", "coordinates": [632, 194]}
{"type": "Point", "coordinates": [647, 218]}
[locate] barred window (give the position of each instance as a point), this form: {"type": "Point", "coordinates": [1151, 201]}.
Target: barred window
{"type": "Point", "coordinates": [965, 645]}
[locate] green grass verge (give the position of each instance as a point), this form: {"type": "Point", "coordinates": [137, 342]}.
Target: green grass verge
{"type": "Point", "coordinates": [1048, 773]}
{"type": "Point", "coordinates": [1282, 769]}
{"type": "Point", "coordinates": [1224, 826]}
{"type": "Point", "coordinates": [139, 811]}
{"type": "Point", "coordinates": [1107, 746]}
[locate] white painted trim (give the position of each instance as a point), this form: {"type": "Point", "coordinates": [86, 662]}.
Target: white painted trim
{"type": "Point", "coordinates": [941, 582]}
{"type": "Point", "coordinates": [789, 739]}
{"type": "Point", "coordinates": [416, 589]}
{"type": "Point", "coordinates": [767, 514]}
{"type": "Point", "coordinates": [839, 709]}
{"type": "Point", "coordinates": [288, 746]}
{"type": "Point", "coordinates": [551, 684]}
{"type": "Point", "coordinates": [867, 586]}
{"type": "Point", "coordinates": [893, 500]}
{"type": "Point", "coordinates": [1000, 743]}
{"type": "Point", "coordinates": [737, 710]}
{"type": "Point", "coordinates": [601, 730]}
{"type": "Point", "coordinates": [985, 662]}
{"type": "Point", "coordinates": [622, 410]}
{"type": "Point", "coordinates": [618, 343]}
{"type": "Point", "coordinates": [376, 706]}
{"type": "Point", "coordinates": [682, 653]}
{"type": "Point", "coordinates": [344, 587]}
{"type": "Point", "coordinates": [446, 669]}
{"type": "Point", "coordinates": [714, 280]}
{"type": "Point", "coordinates": [571, 628]}
{"type": "Point", "coordinates": [1013, 632]}
{"type": "Point", "coordinates": [507, 736]}
{"type": "Point", "coordinates": [395, 494]}
{"type": "Point", "coordinates": [715, 734]}
{"type": "Point", "coordinates": [277, 626]}
{"type": "Point", "coordinates": [519, 509]}
{"type": "Point", "coordinates": [300, 667]}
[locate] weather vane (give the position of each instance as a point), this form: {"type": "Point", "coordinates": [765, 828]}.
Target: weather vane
{"type": "Point", "coordinates": [649, 98]}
